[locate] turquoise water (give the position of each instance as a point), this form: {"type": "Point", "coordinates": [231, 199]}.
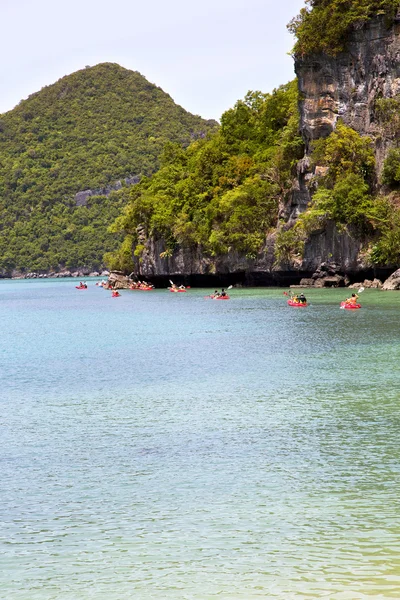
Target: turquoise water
{"type": "Point", "coordinates": [166, 446]}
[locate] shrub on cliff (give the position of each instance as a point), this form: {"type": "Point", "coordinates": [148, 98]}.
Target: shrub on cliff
{"type": "Point", "coordinates": [386, 251]}
{"type": "Point", "coordinates": [343, 193]}
{"type": "Point", "coordinates": [391, 168]}
{"type": "Point", "coordinates": [344, 151]}
{"type": "Point", "coordinates": [324, 25]}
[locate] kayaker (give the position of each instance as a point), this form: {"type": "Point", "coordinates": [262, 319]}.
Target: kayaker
{"type": "Point", "coordinates": [182, 287]}
{"type": "Point", "coordinates": [302, 299]}
{"type": "Point", "coordinates": [223, 293]}
{"type": "Point", "coordinates": [352, 300]}
{"type": "Point", "coordinates": [215, 294]}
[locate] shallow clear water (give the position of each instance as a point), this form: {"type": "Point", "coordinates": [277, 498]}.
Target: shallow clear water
{"type": "Point", "coordinates": [166, 446]}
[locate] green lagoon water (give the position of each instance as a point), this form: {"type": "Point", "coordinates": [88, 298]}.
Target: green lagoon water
{"type": "Point", "coordinates": [163, 446]}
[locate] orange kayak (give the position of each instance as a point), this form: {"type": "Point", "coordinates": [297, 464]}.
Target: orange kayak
{"type": "Point", "coordinates": [297, 304]}
{"type": "Point", "coordinates": [349, 306]}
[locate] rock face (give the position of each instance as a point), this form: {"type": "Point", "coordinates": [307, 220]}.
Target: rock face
{"type": "Point", "coordinates": [348, 85]}
{"type": "Point", "coordinates": [82, 197]}
{"type": "Point", "coordinates": [393, 282]}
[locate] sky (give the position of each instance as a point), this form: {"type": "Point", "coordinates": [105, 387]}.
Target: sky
{"type": "Point", "coordinates": [206, 54]}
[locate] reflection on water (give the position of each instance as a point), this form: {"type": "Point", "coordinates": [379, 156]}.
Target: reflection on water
{"type": "Point", "coordinates": [168, 446]}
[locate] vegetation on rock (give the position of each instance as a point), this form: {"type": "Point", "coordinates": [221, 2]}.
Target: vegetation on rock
{"type": "Point", "coordinates": [86, 131]}
{"type": "Point", "coordinates": [344, 195]}
{"type": "Point", "coordinates": [223, 192]}
{"type": "Point", "coordinates": [324, 25]}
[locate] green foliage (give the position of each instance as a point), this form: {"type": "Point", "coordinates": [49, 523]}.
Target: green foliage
{"type": "Point", "coordinates": [138, 250]}
{"type": "Point", "coordinates": [60, 235]}
{"type": "Point", "coordinates": [121, 260]}
{"type": "Point", "coordinates": [387, 113]}
{"type": "Point", "coordinates": [343, 194]}
{"type": "Point", "coordinates": [324, 25]}
{"type": "Point", "coordinates": [386, 250]}
{"type": "Point", "coordinates": [344, 151]}
{"type": "Point", "coordinates": [391, 168]}
{"type": "Point", "coordinates": [289, 244]}
{"type": "Point", "coordinates": [348, 203]}
{"type": "Point", "coordinates": [86, 131]}
{"type": "Point", "coordinates": [222, 192]}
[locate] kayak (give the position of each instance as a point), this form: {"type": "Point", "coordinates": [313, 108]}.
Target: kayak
{"type": "Point", "coordinates": [115, 295]}
{"type": "Point", "coordinates": [297, 304]}
{"type": "Point", "coordinates": [81, 287]}
{"type": "Point", "coordinates": [349, 306]}
{"type": "Point", "coordinates": [176, 291]}
{"type": "Point", "coordinates": [142, 289]}
{"type": "Point", "coordinates": [221, 297]}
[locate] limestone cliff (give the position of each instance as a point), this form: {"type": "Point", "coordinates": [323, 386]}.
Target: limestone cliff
{"type": "Point", "coordinates": [344, 86]}
{"type": "Point", "coordinates": [347, 86]}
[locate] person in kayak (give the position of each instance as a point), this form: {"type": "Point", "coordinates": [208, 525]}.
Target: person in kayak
{"type": "Point", "coordinates": [302, 299]}
{"type": "Point", "coordinates": [352, 300]}
{"type": "Point", "coordinates": [223, 293]}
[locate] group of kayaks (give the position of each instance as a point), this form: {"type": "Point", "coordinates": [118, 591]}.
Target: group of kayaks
{"type": "Point", "coordinates": [296, 301]}
{"type": "Point", "coordinates": [344, 304]}
{"type": "Point", "coordinates": [300, 301]}
{"type": "Point", "coordinates": [147, 287]}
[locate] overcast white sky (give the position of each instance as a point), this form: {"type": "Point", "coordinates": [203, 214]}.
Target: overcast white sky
{"type": "Point", "coordinates": [206, 54]}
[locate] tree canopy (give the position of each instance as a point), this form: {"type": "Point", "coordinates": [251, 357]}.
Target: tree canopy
{"type": "Point", "coordinates": [324, 25]}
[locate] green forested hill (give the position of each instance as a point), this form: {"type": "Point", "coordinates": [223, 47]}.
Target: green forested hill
{"type": "Point", "coordinates": [86, 131]}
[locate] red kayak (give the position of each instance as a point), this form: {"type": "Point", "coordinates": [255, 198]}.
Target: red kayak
{"type": "Point", "coordinates": [115, 294]}
{"type": "Point", "coordinates": [142, 289]}
{"type": "Point", "coordinates": [221, 297]}
{"type": "Point", "coordinates": [176, 291]}
{"type": "Point", "coordinates": [81, 287]}
{"type": "Point", "coordinates": [349, 306]}
{"type": "Point", "coordinates": [297, 304]}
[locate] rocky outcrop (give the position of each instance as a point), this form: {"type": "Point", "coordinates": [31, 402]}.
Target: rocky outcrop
{"type": "Point", "coordinates": [117, 280]}
{"type": "Point", "coordinates": [82, 197]}
{"type": "Point", "coordinates": [367, 283]}
{"type": "Point", "coordinates": [393, 282]}
{"type": "Point", "coordinates": [192, 265]}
